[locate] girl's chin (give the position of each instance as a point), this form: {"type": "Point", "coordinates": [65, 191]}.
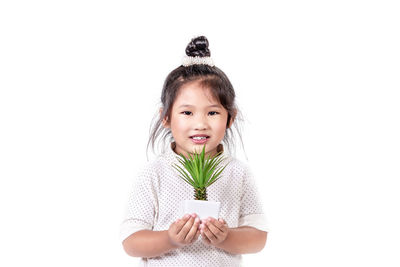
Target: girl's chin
{"type": "Point", "coordinates": [198, 148]}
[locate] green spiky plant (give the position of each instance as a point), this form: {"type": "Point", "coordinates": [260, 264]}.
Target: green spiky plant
{"type": "Point", "coordinates": [200, 172]}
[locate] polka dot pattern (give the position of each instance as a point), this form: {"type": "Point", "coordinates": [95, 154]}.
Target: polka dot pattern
{"type": "Point", "coordinates": [156, 196]}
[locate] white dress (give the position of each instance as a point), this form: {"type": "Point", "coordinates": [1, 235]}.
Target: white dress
{"type": "Point", "coordinates": [156, 196]}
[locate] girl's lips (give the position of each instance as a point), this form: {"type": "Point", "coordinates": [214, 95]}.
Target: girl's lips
{"type": "Point", "coordinates": [200, 135]}
{"type": "Point", "coordinates": [201, 141]}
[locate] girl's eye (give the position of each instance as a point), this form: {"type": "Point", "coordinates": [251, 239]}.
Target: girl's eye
{"type": "Point", "coordinates": [189, 112]}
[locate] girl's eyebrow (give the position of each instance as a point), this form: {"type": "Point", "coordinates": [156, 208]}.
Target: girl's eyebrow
{"type": "Point", "coordinates": [211, 106]}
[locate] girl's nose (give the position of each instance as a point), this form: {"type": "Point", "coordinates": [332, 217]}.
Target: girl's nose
{"type": "Point", "coordinates": [201, 123]}
{"type": "Point", "coordinates": [200, 126]}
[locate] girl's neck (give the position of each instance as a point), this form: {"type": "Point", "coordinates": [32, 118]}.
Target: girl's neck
{"type": "Point", "coordinates": [220, 148]}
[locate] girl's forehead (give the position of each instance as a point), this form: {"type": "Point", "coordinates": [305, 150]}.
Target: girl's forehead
{"type": "Point", "coordinates": [193, 94]}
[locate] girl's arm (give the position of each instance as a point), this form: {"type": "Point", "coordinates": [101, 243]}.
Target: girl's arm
{"type": "Point", "coordinates": [148, 243]}
{"type": "Point", "coordinates": [241, 240]}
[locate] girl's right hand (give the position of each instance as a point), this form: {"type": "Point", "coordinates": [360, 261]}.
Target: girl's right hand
{"type": "Point", "coordinates": [184, 231]}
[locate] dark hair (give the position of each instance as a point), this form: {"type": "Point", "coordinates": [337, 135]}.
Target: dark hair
{"type": "Point", "coordinates": [208, 77]}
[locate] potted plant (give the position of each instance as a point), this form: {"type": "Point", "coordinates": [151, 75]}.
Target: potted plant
{"type": "Point", "coordinates": [200, 173]}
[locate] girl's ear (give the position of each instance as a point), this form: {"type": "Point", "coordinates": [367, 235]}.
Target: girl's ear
{"type": "Point", "coordinates": [165, 122]}
{"type": "Point", "coordinates": [232, 119]}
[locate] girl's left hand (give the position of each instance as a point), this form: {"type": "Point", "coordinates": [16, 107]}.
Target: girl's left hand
{"type": "Point", "coordinates": [214, 231]}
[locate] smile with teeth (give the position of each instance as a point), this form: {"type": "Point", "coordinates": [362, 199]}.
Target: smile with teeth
{"type": "Point", "coordinates": [199, 137]}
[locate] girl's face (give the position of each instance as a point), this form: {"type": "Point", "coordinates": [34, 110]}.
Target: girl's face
{"type": "Point", "coordinates": [196, 112]}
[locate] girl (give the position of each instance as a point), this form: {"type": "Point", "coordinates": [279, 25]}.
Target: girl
{"type": "Point", "coordinates": [198, 109]}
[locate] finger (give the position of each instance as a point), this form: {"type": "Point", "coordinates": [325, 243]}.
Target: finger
{"type": "Point", "coordinates": [222, 225]}
{"type": "Point", "coordinates": [217, 224]}
{"type": "Point", "coordinates": [186, 228]}
{"type": "Point", "coordinates": [206, 232]}
{"type": "Point", "coordinates": [205, 239]}
{"type": "Point", "coordinates": [213, 229]}
{"type": "Point", "coordinates": [224, 228]}
{"type": "Point", "coordinates": [180, 223]}
{"type": "Point", "coordinates": [192, 231]}
{"type": "Point", "coordinates": [197, 235]}
{"type": "Point", "coordinates": [203, 235]}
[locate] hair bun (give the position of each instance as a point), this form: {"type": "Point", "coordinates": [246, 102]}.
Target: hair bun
{"type": "Point", "coordinates": [198, 47]}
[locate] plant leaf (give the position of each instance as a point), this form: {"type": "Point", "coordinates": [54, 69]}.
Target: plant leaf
{"type": "Point", "coordinates": [199, 171]}
{"type": "Point", "coordinates": [184, 176]}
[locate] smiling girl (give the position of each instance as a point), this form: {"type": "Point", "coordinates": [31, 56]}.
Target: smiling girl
{"type": "Point", "coordinates": [198, 108]}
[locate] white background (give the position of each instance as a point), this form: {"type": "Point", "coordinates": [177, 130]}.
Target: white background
{"type": "Point", "coordinates": [316, 81]}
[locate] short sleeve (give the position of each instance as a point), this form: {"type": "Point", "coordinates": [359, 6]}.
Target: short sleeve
{"type": "Point", "coordinates": [142, 205]}
{"type": "Point", "coordinates": [251, 209]}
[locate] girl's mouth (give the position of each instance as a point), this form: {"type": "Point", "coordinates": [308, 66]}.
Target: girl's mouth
{"type": "Point", "coordinates": [199, 139]}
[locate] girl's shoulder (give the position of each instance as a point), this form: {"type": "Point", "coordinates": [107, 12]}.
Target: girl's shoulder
{"type": "Point", "coordinates": [238, 166]}
{"type": "Point", "coordinates": [151, 168]}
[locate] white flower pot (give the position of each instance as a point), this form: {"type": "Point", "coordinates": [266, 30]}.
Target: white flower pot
{"type": "Point", "coordinates": [202, 208]}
